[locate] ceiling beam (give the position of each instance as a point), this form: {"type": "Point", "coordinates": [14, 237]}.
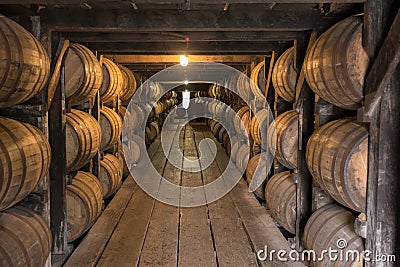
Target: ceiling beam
{"type": "Point", "coordinates": [193, 48]}
{"type": "Point", "coordinates": [173, 59]}
{"type": "Point", "coordinates": [166, 2]}
{"type": "Point", "coordinates": [103, 37]}
{"type": "Point", "coordinates": [106, 20]}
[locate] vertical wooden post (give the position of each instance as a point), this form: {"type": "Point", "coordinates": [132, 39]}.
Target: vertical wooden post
{"type": "Point", "coordinates": [383, 214]}
{"type": "Point", "coordinates": [305, 100]}
{"type": "Point", "coordinates": [58, 169]}
{"type": "Point", "coordinates": [96, 115]}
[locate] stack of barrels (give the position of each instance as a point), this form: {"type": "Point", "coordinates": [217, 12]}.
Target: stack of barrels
{"type": "Point", "coordinates": [159, 113]}
{"type": "Point", "coordinates": [25, 153]}
{"type": "Point", "coordinates": [238, 119]}
{"type": "Point", "coordinates": [85, 77]}
{"type": "Point", "coordinates": [337, 152]}
{"type": "Point", "coordinates": [88, 134]}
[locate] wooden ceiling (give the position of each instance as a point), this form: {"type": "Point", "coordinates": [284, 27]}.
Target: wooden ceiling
{"type": "Point", "coordinates": [244, 28]}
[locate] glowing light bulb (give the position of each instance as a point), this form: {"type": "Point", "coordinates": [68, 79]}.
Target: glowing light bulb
{"type": "Point", "coordinates": [186, 82]}
{"type": "Point", "coordinates": [184, 60]}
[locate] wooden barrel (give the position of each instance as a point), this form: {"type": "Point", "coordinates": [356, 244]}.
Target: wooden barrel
{"type": "Point", "coordinates": [243, 87]}
{"type": "Point", "coordinates": [213, 107]}
{"type": "Point", "coordinates": [212, 91]}
{"type": "Point", "coordinates": [230, 116]}
{"type": "Point", "coordinates": [235, 145]}
{"type": "Point", "coordinates": [121, 158]}
{"type": "Point", "coordinates": [133, 147]}
{"type": "Point", "coordinates": [257, 76]}
{"type": "Point", "coordinates": [154, 131]}
{"type": "Point", "coordinates": [211, 123]}
{"type": "Point", "coordinates": [137, 112]}
{"type": "Point", "coordinates": [131, 120]}
{"type": "Point", "coordinates": [150, 91]}
{"type": "Point", "coordinates": [129, 85]}
{"type": "Point", "coordinates": [25, 238]}
{"type": "Point", "coordinates": [225, 139]}
{"type": "Point", "coordinates": [158, 107]}
{"type": "Point", "coordinates": [280, 196]}
{"type": "Point", "coordinates": [168, 94]}
{"type": "Point", "coordinates": [242, 155]}
{"type": "Point", "coordinates": [284, 76]}
{"type": "Point", "coordinates": [83, 74]}
{"type": "Point", "coordinates": [221, 134]}
{"type": "Point", "coordinates": [259, 173]}
{"type": "Point", "coordinates": [111, 127]}
{"type": "Point", "coordinates": [323, 230]}
{"type": "Point", "coordinates": [156, 127]}
{"type": "Point", "coordinates": [24, 64]}
{"type": "Point", "coordinates": [337, 156]}
{"type": "Point", "coordinates": [243, 116]}
{"type": "Point", "coordinates": [110, 175]}
{"type": "Point", "coordinates": [83, 137]}
{"type": "Point", "coordinates": [122, 112]}
{"type": "Point", "coordinates": [255, 128]}
{"type": "Point", "coordinates": [283, 138]}
{"type": "Point", "coordinates": [148, 109]}
{"type": "Point", "coordinates": [228, 147]}
{"type": "Point", "coordinates": [25, 159]}
{"type": "Point", "coordinates": [215, 130]}
{"type": "Point", "coordinates": [148, 136]}
{"type": "Point", "coordinates": [112, 81]}
{"type": "Point", "coordinates": [84, 204]}
{"type": "Point", "coordinates": [337, 63]}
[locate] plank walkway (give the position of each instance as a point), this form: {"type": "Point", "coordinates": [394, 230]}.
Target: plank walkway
{"type": "Point", "coordinates": [136, 230]}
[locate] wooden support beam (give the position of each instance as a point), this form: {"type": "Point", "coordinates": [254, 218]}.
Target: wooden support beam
{"type": "Point", "coordinates": [58, 182]}
{"type": "Point", "coordinates": [124, 20]}
{"type": "Point", "coordinates": [383, 183]}
{"type": "Point", "coordinates": [170, 59]}
{"type": "Point", "coordinates": [270, 62]}
{"type": "Point", "coordinates": [95, 112]}
{"type": "Point", "coordinates": [383, 186]}
{"type": "Point", "coordinates": [298, 61]}
{"type": "Point", "coordinates": [134, 37]}
{"type": "Point", "coordinates": [177, 2]}
{"type": "Point", "coordinates": [382, 70]}
{"type": "Point", "coordinates": [192, 48]}
{"type": "Point", "coordinates": [305, 107]}
{"type": "Point", "coordinates": [247, 1]}
{"type": "Point", "coordinates": [56, 70]}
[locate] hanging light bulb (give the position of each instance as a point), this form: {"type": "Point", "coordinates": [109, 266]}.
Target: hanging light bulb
{"type": "Point", "coordinates": [184, 60]}
{"type": "Point", "coordinates": [186, 82]}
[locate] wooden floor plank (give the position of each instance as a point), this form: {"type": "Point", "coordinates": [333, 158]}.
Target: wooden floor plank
{"type": "Point", "coordinates": [195, 239]}
{"type": "Point", "coordinates": [92, 247]}
{"type": "Point", "coordinates": [227, 232]}
{"type": "Point", "coordinates": [161, 243]}
{"type": "Point", "coordinates": [231, 242]}
{"type": "Point", "coordinates": [125, 245]}
{"type": "Point", "coordinates": [259, 225]}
